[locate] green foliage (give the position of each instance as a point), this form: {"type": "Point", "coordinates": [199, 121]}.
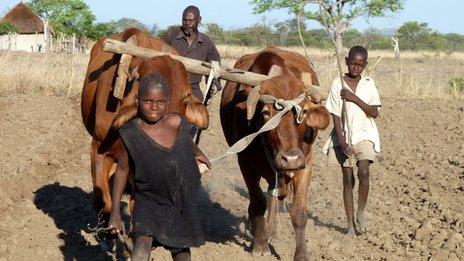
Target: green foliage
{"type": "Point", "coordinates": [418, 36]}
{"type": "Point", "coordinates": [125, 22]}
{"type": "Point", "coordinates": [354, 8]}
{"type": "Point", "coordinates": [455, 41]}
{"type": "Point", "coordinates": [215, 32]}
{"type": "Point", "coordinates": [455, 86]}
{"type": "Point", "coordinates": [66, 16]}
{"type": "Point", "coordinates": [7, 27]}
{"type": "Point", "coordinates": [102, 30]}
{"type": "Point", "coordinates": [352, 37]}
{"type": "Point", "coordinates": [375, 39]}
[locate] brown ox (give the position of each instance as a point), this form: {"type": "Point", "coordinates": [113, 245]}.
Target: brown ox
{"type": "Point", "coordinates": [288, 145]}
{"type": "Point", "coordinates": [103, 114]}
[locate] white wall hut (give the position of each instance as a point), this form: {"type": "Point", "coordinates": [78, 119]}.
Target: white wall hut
{"type": "Point", "coordinates": [33, 33]}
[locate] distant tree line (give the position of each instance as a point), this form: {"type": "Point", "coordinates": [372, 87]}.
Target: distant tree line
{"type": "Point", "coordinates": [411, 36]}
{"type": "Point", "coordinates": [74, 17]}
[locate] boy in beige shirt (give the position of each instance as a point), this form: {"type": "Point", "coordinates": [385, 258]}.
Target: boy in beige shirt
{"type": "Point", "coordinates": [362, 107]}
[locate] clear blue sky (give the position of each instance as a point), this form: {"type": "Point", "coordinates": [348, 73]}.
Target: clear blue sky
{"type": "Point", "coordinates": [444, 16]}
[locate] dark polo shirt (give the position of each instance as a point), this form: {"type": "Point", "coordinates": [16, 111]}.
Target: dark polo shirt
{"type": "Point", "coordinates": [202, 48]}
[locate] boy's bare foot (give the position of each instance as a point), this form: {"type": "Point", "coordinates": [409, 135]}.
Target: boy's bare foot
{"type": "Point", "coordinates": [351, 232]}
{"type": "Point", "coordinates": [361, 222]}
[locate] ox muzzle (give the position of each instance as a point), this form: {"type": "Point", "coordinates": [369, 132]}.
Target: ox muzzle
{"type": "Point", "coordinates": [290, 160]}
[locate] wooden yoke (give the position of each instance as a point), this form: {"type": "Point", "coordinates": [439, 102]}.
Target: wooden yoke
{"type": "Point", "coordinates": [123, 70]}
{"type": "Point", "coordinates": [199, 67]}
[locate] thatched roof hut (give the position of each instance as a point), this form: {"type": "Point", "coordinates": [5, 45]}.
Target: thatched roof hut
{"type": "Point", "coordinates": [24, 19]}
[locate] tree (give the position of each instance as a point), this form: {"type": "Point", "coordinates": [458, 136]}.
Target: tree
{"type": "Point", "coordinates": [101, 30]}
{"type": "Point", "coordinates": [125, 22]}
{"type": "Point", "coordinates": [66, 16]}
{"type": "Point", "coordinates": [418, 36]}
{"type": "Point", "coordinates": [216, 33]}
{"type": "Point", "coordinates": [283, 31]}
{"type": "Point", "coordinates": [455, 41]}
{"type": "Point", "coordinates": [7, 27]}
{"type": "Point", "coordinates": [335, 15]}
{"type": "Point", "coordinates": [376, 39]}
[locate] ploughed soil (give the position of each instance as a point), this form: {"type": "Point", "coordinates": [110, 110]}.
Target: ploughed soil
{"type": "Point", "coordinates": [415, 207]}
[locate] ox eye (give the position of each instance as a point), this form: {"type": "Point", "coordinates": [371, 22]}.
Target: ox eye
{"type": "Point", "coordinates": [266, 114]}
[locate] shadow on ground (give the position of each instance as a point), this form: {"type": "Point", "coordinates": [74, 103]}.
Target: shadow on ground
{"type": "Point", "coordinates": [72, 212]}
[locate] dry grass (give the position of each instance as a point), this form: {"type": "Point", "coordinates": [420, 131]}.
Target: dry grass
{"type": "Point", "coordinates": [50, 73]}
{"type": "Point", "coordinates": [416, 74]}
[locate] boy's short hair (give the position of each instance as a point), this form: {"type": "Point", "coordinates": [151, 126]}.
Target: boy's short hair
{"type": "Point", "coordinates": [153, 81]}
{"type": "Point", "coordinates": [358, 49]}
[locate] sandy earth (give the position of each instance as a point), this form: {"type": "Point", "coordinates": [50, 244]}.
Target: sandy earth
{"type": "Point", "coordinates": [415, 207]}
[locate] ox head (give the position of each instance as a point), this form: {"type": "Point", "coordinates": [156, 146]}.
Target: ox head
{"type": "Point", "coordinates": [297, 129]}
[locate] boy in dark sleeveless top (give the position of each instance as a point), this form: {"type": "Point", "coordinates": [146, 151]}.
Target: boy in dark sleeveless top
{"type": "Point", "coordinates": [161, 155]}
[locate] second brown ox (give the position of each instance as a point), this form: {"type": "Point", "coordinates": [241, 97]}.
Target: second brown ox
{"type": "Point", "coordinates": [103, 114]}
{"type": "Point", "coordinates": [288, 146]}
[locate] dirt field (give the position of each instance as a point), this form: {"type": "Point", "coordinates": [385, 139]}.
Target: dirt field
{"type": "Point", "coordinates": [415, 208]}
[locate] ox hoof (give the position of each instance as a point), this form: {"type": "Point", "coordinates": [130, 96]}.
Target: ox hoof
{"type": "Point", "coordinates": [261, 250]}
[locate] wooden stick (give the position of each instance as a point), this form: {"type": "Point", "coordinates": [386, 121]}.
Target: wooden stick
{"type": "Point", "coordinates": [195, 66]}
{"type": "Point", "coordinates": [192, 65]}
{"type": "Point", "coordinates": [123, 70]}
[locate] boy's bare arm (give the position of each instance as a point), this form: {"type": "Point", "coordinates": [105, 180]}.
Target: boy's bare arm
{"type": "Point", "coordinates": [348, 150]}
{"type": "Point", "coordinates": [200, 156]}
{"type": "Point", "coordinates": [120, 180]}
{"type": "Point", "coordinates": [371, 111]}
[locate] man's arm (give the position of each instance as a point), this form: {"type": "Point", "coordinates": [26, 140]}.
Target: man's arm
{"type": "Point", "coordinates": [370, 110]}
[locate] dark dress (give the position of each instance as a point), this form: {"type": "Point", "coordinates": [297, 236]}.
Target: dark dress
{"type": "Point", "coordinates": [167, 181]}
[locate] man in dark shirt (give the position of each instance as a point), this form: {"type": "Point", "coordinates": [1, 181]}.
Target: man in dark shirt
{"type": "Point", "coordinates": [189, 42]}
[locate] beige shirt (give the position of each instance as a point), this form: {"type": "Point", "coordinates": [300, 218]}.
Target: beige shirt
{"type": "Point", "coordinates": [361, 126]}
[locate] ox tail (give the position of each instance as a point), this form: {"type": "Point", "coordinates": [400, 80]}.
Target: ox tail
{"type": "Point", "coordinates": [124, 115]}
{"type": "Point", "coordinates": [196, 112]}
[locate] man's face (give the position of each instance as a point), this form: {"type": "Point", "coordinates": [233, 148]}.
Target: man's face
{"type": "Point", "coordinates": [190, 22]}
{"type": "Point", "coordinates": [356, 64]}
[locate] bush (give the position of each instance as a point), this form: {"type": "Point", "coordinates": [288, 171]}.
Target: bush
{"type": "Point", "coordinates": [455, 86]}
{"type": "Point", "coordinates": [7, 27]}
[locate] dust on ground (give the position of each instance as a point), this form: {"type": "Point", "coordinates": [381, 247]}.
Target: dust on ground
{"type": "Point", "coordinates": [415, 207]}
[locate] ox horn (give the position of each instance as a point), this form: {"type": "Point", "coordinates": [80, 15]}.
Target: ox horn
{"type": "Point", "coordinates": [311, 89]}
{"type": "Point", "coordinates": [275, 70]}
{"type": "Point", "coordinates": [253, 96]}
{"type": "Point", "coordinates": [252, 101]}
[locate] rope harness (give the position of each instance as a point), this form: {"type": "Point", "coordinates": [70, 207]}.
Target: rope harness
{"type": "Point", "coordinates": [283, 106]}
{"type": "Point", "coordinates": [214, 73]}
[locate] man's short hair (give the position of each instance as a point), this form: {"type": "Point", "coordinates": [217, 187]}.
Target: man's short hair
{"type": "Point", "coordinates": [357, 50]}
{"type": "Point", "coordinates": [153, 81]}
{"type": "Point", "coordinates": [193, 9]}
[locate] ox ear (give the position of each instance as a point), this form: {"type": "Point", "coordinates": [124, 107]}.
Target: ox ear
{"type": "Point", "coordinates": [252, 101]}
{"type": "Point", "coordinates": [196, 112]}
{"type": "Point", "coordinates": [134, 74]}
{"type": "Point", "coordinates": [275, 70]}
{"type": "Point", "coordinates": [318, 117]}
